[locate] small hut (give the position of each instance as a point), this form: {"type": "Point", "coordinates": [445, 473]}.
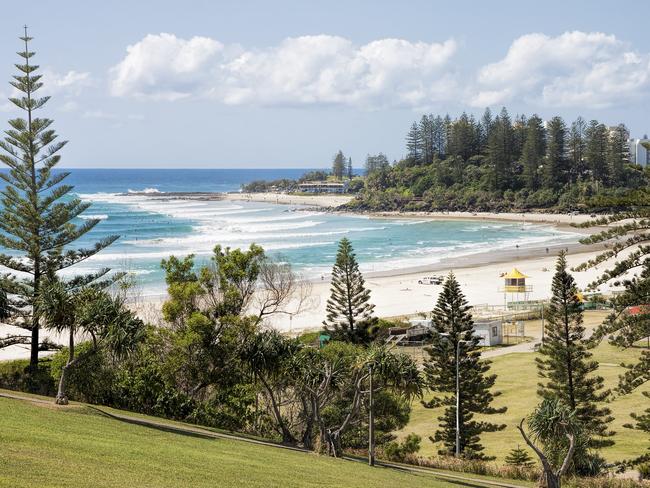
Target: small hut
{"type": "Point", "coordinates": [514, 284]}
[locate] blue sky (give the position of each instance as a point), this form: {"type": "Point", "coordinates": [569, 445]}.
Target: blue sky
{"type": "Point", "coordinates": [288, 83]}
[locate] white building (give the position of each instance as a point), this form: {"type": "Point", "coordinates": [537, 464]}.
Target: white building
{"type": "Point", "coordinates": [324, 187]}
{"type": "Point", "coordinates": [639, 153]}
{"type": "Point", "coordinates": [490, 331]}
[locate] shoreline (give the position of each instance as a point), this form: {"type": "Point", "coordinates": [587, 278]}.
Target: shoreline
{"type": "Point", "coordinates": [396, 292]}
{"type": "Point", "coordinates": [333, 202]}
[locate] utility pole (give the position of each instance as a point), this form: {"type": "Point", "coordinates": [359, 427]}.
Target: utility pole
{"type": "Point", "coordinates": [371, 424]}
{"type": "Point", "coordinates": [458, 398]}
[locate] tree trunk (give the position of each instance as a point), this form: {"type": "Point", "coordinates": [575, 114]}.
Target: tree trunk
{"type": "Point", "coordinates": [287, 436]}
{"type": "Point", "coordinates": [308, 432]}
{"type": "Point", "coordinates": [61, 397]}
{"type": "Point", "coordinates": [33, 356]}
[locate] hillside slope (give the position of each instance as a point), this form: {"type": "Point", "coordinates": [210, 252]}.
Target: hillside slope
{"type": "Point", "coordinates": [48, 446]}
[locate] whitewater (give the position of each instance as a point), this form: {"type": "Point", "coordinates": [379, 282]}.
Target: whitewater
{"type": "Point", "coordinates": [152, 227]}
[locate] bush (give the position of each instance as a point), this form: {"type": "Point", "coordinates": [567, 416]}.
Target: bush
{"type": "Point", "coordinates": [601, 482]}
{"type": "Point", "coordinates": [644, 470]}
{"type": "Point", "coordinates": [395, 451]}
{"type": "Point", "coordinates": [476, 466]}
{"type": "Point", "coordinates": [14, 375]}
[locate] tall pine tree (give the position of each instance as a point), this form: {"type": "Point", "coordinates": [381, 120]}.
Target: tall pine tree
{"type": "Point", "coordinates": [618, 154]}
{"type": "Point", "coordinates": [565, 362]}
{"type": "Point", "coordinates": [555, 163]}
{"type": "Point", "coordinates": [349, 311]}
{"type": "Point", "coordinates": [501, 151]}
{"type": "Point", "coordinates": [414, 144]}
{"type": "Point", "coordinates": [452, 318]}
{"type": "Point", "coordinates": [533, 151]}
{"type": "Point", "coordinates": [596, 151]}
{"type": "Point", "coordinates": [338, 165]}
{"type": "Point", "coordinates": [577, 145]}
{"type": "Point", "coordinates": [38, 217]}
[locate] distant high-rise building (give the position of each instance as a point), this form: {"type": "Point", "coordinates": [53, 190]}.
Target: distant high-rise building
{"type": "Point", "coordinates": [639, 151]}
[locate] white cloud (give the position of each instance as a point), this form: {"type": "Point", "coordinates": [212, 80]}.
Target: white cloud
{"type": "Point", "coordinates": [303, 70]}
{"type": "Point", "coordinates": [164, 67]}
{"type": "Point", "coordinates": [70, 83]}
{"type": "Point", "coordinates": [574, 68]}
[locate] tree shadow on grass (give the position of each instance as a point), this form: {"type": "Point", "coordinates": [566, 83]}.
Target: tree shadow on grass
{"type": "Point", "coordinates": [156, 426]}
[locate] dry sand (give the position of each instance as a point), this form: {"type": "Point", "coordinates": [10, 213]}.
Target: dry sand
{"type": "Point", "coordinates": [325, 201]}
{"type": "Point", "coordinates": [397, 293]}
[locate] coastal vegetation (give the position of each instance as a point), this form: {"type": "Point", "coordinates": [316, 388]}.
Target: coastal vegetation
{"type": "Point", "coordinates": [501, 164]}
{"type": "Point", "coordinates": [38, 223]}
{"type": "Point", "coordinates": [497, 164]}
{"type": "Point", "coordinates": [212, 360]}
{"type": "Point", "coordinates": [455, 371]}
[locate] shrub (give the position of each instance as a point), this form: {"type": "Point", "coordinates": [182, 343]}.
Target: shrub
{"type": "Point", "coordinates": [476, 466]}
{"type": "Point", "coordinates": [14, 375]}
{"type": "Point", "coordinates": [395, 451]}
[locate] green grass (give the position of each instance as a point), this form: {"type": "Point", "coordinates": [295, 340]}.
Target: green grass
{"type": "Point", "coordinates": [517, 380]}
{"type": "Point", "coordinates": [47, 446]}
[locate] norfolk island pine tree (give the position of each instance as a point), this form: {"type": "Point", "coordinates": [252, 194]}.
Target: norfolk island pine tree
{"type": "Point", "coordinates": [38, 223]}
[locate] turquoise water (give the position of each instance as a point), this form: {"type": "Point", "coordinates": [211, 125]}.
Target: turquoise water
{"type": "Point", "coordinates": [153, 228]}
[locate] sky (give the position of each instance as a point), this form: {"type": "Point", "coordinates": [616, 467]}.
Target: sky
{"type": "Point", "coordinates": [252, 84]}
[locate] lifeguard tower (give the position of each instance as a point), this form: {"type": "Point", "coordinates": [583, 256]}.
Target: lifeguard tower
{"type": "Point", "coordinates": [515, 287]}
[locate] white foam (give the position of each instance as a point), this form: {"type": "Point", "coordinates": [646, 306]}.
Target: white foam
{"type": "Point", "coordinates": [146, 190]}
{"type": "Point", "coordinates": [92, 216]}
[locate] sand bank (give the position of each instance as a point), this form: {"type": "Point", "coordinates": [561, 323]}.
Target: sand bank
{"type": "Point", "coordinates": [334, 201]}
{"type": "Point", "coordinates": [325, 201]}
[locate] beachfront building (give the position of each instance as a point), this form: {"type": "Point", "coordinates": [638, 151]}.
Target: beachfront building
{"type": "Point", "coordinates": [515, 287]}
{"type": "Point", "coordinates": [639, 153]}
{"type": "Point", "coordinates": [324, 186]}
{"type": "Point", "coordinates": [489, 331]}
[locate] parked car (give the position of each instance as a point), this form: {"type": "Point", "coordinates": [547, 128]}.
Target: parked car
{"type": "Point", "coordinates": [430, 280]}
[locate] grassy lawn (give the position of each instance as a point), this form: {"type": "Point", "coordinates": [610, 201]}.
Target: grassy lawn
{"type": "Point", "coordinates": [517, 380]}
{"type": "Point", "coordinates": [48, 446]}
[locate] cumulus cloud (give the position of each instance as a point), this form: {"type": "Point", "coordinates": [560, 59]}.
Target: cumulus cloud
{"type": "Point", "coordinates": [318, 69]}
{"type": "Point", "coordinates": [575, 68]}
{"type": "Point", "coordinates": [70, 83]}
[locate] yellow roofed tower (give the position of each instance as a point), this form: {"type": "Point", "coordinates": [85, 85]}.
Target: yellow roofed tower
{"type": "Point", "coordinates": [515, 286]}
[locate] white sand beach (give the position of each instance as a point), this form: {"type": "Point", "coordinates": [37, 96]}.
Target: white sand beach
{"type": "Point", "coordinates": [324, 201]}
{"type": "Point", "coordinates": [397, 292]}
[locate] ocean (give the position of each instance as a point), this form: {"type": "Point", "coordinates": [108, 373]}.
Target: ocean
{"type": "Point", "coordinates": [152, 229]}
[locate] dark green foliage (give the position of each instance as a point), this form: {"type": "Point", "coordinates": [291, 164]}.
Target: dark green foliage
{"type": "Point", "coordinates": [414, 144]}
{"type": "Point", "coordinates": [399, 451]}
{"type": "Point", "coordinates": [452, 317]}
{"type": "Point", "coordinates": [556, 171]}
{"type": "Point", "coordinates": [16, 375]}
{"type": "Point", "coordinates": [559, 433]}
{"type": "Point", "coordinates": [533, 151]}
{"type": "Point", "coordinates": [618, 154]}
{"type": "Point", "coordinates": [338, 165]}
{"type": "Point", "coordinates": [376, 163]}
{"type": "Point", "coordinates": [520, 458]}
{"type": "Point", "coordinates": [500, 151]}
{"type": "Point", "coordinates": [349, 311]}
{"type": "Point", "coordinates": [596, 151]}
{"type": "Point", "coordinates": [505, 164]}
{"type": "Point", "coordinates": [627, 231]}
{"type": "Point", "coordinates": [565, 362]}
{"type": "Point", "coordinates": [38, 217]}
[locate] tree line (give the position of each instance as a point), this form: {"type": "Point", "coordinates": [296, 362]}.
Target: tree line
{"type": "Point", "coordinates": [211, 361]}
{"type": "Point", "coordinates": [501, 163]}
